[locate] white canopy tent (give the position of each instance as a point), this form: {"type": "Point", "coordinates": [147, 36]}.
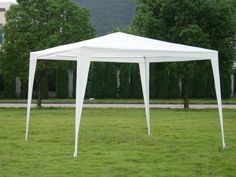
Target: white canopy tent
{"type": "Point", "coordinates": [122, 48]}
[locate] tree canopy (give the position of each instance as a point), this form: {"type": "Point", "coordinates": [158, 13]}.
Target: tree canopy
{"type": "Point", "coordinates": [203, 23]}
{"type": "Point", "coordinates": [35, 25]}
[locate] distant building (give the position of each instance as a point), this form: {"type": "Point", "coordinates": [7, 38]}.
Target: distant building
{"type": "Point", "coordinates": [4, 6]}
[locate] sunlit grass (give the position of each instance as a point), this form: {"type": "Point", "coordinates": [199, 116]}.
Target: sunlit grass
{"type": "Point", "coordinates": [114, 142]}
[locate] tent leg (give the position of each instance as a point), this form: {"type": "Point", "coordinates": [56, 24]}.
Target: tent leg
{"type": "Point", "coordinates": [144, 74]}
{"type": "Point", "coordinates": [32, 68]}
{"type": "Point", "coordinates": [215, 68]}
{"type": "Point", "coordinates": [81, 82]}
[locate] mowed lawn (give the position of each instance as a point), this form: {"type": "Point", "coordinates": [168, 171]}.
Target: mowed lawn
{"type": "Point", "coordinates": [114, 142]}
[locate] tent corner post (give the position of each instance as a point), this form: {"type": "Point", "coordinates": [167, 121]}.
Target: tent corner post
{"type": "Point", "coordinates": [216, 74]}
{"type": "Point", "coordinates": [83, 63]}
{"type": "Point", "coordinates": [144, 75]}
{"type": "Point", "coordinates": [75, 154]}
{"type": "Point", "coordinates": [32, 68]}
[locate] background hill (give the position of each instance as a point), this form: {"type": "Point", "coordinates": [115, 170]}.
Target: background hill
{"type": "Point", "coordinates": [109, 14]}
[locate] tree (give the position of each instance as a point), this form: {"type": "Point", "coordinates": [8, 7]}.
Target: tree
{"type": "Point", "coordinates": [110, 80]}
{"type": "Point", "coordinates": [207, 24]}
{"type": "Point", "coordinates": [61, 82]}
{"type": "Point", "coordinates": [39, 24]}
{"type": "Point", "coordinates": [125, 80]}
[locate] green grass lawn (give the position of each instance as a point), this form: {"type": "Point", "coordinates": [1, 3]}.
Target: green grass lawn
{"type": "Point", "coordinates": [114, 142]}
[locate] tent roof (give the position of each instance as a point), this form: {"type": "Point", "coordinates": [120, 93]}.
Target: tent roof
{"type": "Point", "coordinates": [121, 42]}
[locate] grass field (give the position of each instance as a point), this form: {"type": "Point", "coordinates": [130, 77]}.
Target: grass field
{"type": "Point", "coordinates": [114, 142]}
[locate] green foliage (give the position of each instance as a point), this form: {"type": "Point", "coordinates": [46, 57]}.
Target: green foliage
{"type": "Point", "coordinates": [35, 25]}
{"type": "Point", "coordinates": [52, 80]}
{"type": "Point", "coordinates": [173, 86]}
{"type": "Point", "coordinates": [161, 81]}
{"type": "Point", "coordinates": [163, 84]}
{"type": "Point", "coordinates": [44, 88]}
{"type": "Point", "coordinates": [1, 83]}
{"type": "Point", "coordinates": [62, 83]}
{"type": "Point", "coordinates": [9, 87]}
{"type": "Point", "coordinates": [24, 88]}
{"type": "Point", "coordinates": [110, 81]}
{"type": "Point", "coordinates": [125, 79]}
{"type": "Point", "coordinates": [135, 81]}
{"type": "Point", "coordinates": [207, 24]}
{"type": "Point", "coordinates": [97, 80]}
{"type": "Point", "coordinates": [103, 80]}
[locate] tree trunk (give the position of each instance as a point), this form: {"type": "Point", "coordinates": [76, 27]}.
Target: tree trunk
{"type": "Point", "coordinates": [18, 87]}
{"type": "Point", "coordinates": [232, 85]}
{"type": "Point", "coordinates": [39, 100]}
{"type": "Point", "coordinates": [70, 82]}
{"type": "Point", "coordinates": [186, 93]}
{"type": "Point", "coordinates": [42, 74]}
{"type": "Point", "coordinates": [117, 81]}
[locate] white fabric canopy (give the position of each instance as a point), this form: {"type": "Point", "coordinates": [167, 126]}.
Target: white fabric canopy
{"type": "Point", "coordinates": [122, 48]}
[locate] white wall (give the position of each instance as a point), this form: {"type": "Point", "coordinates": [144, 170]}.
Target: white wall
{"type": "Point", "coordinates": [6, 5]}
